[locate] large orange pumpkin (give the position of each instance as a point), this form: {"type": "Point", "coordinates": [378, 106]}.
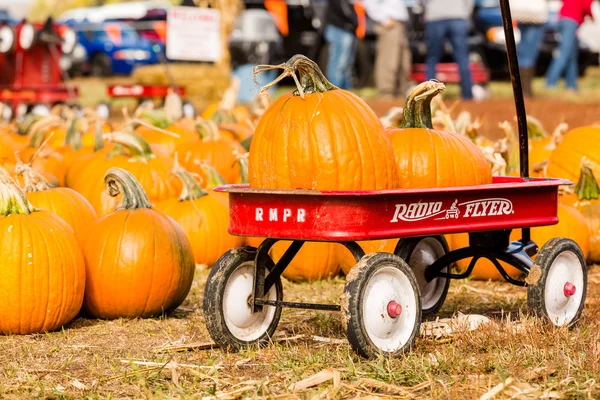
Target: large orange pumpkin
{"type": "Point", "coordinates": [72, 207]}
{"type": "Point", "coordinates": [429, 158]}
{"type": "Point", "coordinates": [566, 158]}
{"type": "Point", "coordinates": [572, 225]}
{"type": "Point", "coordinates": [139, 262]}
{"type": "Point", "coordinates": [43, 270]}
{"type": "Point", "coordinates": [320, 137]}
{"type": "Point", "coordinates": [203, 217]}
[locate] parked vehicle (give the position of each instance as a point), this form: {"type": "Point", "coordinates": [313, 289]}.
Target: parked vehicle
{"type": "Point", "coordinates": [114, 48]}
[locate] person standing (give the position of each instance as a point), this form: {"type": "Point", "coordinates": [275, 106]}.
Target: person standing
{"type": "Point", "coordinates": [449, 19]}
{"type": "Point", "coordinates": [570, 18]}
{"type": "Point", "coordinates": [531, 16]}
{"type": "Point", "coordinates": [340, 32]}
{"type": "Point", "coordinates": [393, 60]}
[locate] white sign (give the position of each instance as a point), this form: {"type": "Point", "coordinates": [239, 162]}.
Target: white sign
{"type": "Point", "coordinates": [193, 34]}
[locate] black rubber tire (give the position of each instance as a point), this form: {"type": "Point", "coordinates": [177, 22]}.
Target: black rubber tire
{"type": "Point", "coordinates": [538, 277]}
{"type": "Point", "coordinates": [213, 300]}
{"type": "Point", "coordinates": [352, 316]}
{"type": "Point", "coordinates": [404, 250]}
{"type": "Point", "coordinates": [100, 66]}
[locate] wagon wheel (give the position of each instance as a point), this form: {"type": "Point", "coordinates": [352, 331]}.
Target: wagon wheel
{"type": "Point", "coordinates": [419, 253]}
{"type": "Point", "coordinates": [229, 318]}
{"type": "Point", "coordinates": [381, 306]}
{"type": "Point", "coordinates": [558, 282]}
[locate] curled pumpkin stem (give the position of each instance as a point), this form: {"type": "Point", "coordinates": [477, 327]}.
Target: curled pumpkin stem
{"type": "Point", "coordinates": [192, 190]}
{"type": "Point", "coordinates": [136, 146]}
{"type": "Point", "coordinates": [119, 181]}
{"type": "Point", "coordinates": [417, 110]}
{"type": "Point", "coordinates": [306, 74]}
{"type": "Point", "coordinates": [242, 160]}
{"type": "Point", "coordinates": [587, 187]}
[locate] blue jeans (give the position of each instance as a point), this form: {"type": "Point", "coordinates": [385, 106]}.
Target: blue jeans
{"type": "Point", "coordinates": [342, 50]}
{"type": "Point", "coordinates": [566, 62]}
{"type": "Point", "coordinates": [456, 30]}
{"type": "Point", "coordinates": [529, 46]}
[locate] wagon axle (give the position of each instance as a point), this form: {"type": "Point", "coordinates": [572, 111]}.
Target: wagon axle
{"type": "Point", "coordinates": [394, 309]}
{"type": "Point", "coordinates": [569, 289]}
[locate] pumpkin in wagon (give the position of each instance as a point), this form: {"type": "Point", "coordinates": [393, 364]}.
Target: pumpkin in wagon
{"type": "Point", "coordinates": [428, 158]}
{"type": "Point", "coordinates": [319, 137]}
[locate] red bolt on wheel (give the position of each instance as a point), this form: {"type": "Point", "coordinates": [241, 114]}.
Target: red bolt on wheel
{"type": "Point", "coordinates": [394, 309]}
{"type": "Point", "coordinates": [569, 289]}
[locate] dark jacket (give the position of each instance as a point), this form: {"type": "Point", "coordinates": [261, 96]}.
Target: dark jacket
{"type": "Point", "coordinates": [341, 13]}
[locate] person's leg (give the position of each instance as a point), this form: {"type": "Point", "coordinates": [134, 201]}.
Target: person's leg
{"type": "Point", "coordinates": [405, 67]}
{"type": "Point", "coordinates": [341, 48]}
{"type": "Point", "coordinates": [459, 32]}
{"type": "Point", "coordinates": [348, 58]}
{"type": "Point", "coordinates": [435, 33]}
{"type": "Point", "coordinates": [387, 61]}
{"type": "Point", "coordinates": [572, 72]}
{"type": "Point", "coordinates": [526, 54]}
{"type": "Point", "coordinates": [559, 63]}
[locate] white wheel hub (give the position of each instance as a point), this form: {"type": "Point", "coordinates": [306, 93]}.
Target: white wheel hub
{"type": "Point", "coordinates": [389, 309]}
{"type": "Point", "coordinates": [564, 288]}
{"type": "Point", "coordinates": [240, 320]}
{"type": "Point", "coordinates": [424, 254]}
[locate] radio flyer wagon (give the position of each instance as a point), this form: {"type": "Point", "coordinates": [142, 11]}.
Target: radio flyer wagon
{"type": "Point", "coordinates": [386, 295]}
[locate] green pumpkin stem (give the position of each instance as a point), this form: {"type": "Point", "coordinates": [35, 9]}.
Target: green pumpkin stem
{"type": "Point", "coordinates": [73, 136]}
{"type": "Point", "coordinates": [587, 186]}
{"type": "Point", "coordinates": [156, 118]}
{"type": "Point", "coordinates": [98, 135]}
{"type": "Point", "coordinates": [213, 177]}
{"type": "Point", "coordinates": [208, 130]}
{"type": "Point", "coordinates": [192, 190]}
{"type": "Point", "coordinates": [12, 198]}
{"type": "Point", "coordinates": [133, 143]}
{"type": "Point", "coordinates": [417, 110]}
{"type": "Point", "coordinates": [242, 160]}
{"type": "Point", "coordinates": [306, 74]}
{"type": "Point", "coordinates": [119, 181]}
{"type": "Point", "coordinates": [37, 131]}
{"type": "Point", "coordinates": [33, 180]}
{"type": "Point", "coordinates": [535, 129]}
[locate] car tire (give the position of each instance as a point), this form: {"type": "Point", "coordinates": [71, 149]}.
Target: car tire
{"type": "Point", "coordinates": [100, 66]}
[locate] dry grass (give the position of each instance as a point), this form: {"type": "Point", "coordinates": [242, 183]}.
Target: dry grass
{"type": "Point", "coordinates": [126, 358]}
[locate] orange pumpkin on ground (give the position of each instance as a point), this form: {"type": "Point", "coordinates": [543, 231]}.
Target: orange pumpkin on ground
{"type": "Point", "coordinates": [320, 137]}
{"type": "Point", "coordinates": [203, 218]}
{"type": "Point", "coordinates": [219, 151]}
{"type": "Point", "coordinates": [69, 205]}
{"type": "Point", "coordinates": [314, 261]}
{"type": "Point", "coordinates": [428, 158]}
{"type": "Point", "coordinates": [139, 262]}
{"type": "Point", "coordinates": [43, 270]}
{"type": "Point", "coordinates": [566, 158]}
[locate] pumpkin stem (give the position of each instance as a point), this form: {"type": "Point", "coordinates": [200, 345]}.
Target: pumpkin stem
{"type": "Point", "coordinates": [38, 130]}
{"type": "Point", "coordinates": [34, 181]}
{"type": "Point", "coordinates": [306, 74]}
{"type": "Point", "coordinates": [192, 190]}
{"type": "Point", "coordinates": [587, 186]}
{"type": "Point", "coordinates": [213, 177]}
{"type": "Point", "coordinates": [535, 129]}
{"type": "Point", "coordinates": [98, 135]}
{"type": "Point", "coordinates": [156, 118]}
{"type": "Point", "coordinates": [230, 96]}
{"type": "Point", "coordinates": [208, 130]}
{"type": "Point", "coordinates": [119, 181]}
{"type": "Point", "coordinates": [417, 110]}
{"type": "Point", "coordinates": [135, 145]}
{"type": "Point", "coordinates": [512, 151]}
{"type": "Point", "coordinates": [12, 198]}
{"type": "Point", "coordinates": [73, 136]}
{"type": "Point", "coordinates": [557, 136]}
{"type": "Point", "coordinates": [242, 160]}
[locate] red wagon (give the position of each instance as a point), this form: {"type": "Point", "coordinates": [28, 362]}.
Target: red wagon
{"type": "Point", "coordinates": [386, 295]}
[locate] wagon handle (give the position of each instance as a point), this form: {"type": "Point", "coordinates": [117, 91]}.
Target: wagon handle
{"type": "Point", "coordinates": [515, 77]}
{"type": "Point", "coordinates": [513, 66]}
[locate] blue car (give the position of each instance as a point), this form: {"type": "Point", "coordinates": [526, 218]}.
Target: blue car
{"type": "Point", "coordinates": [114, 48]}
